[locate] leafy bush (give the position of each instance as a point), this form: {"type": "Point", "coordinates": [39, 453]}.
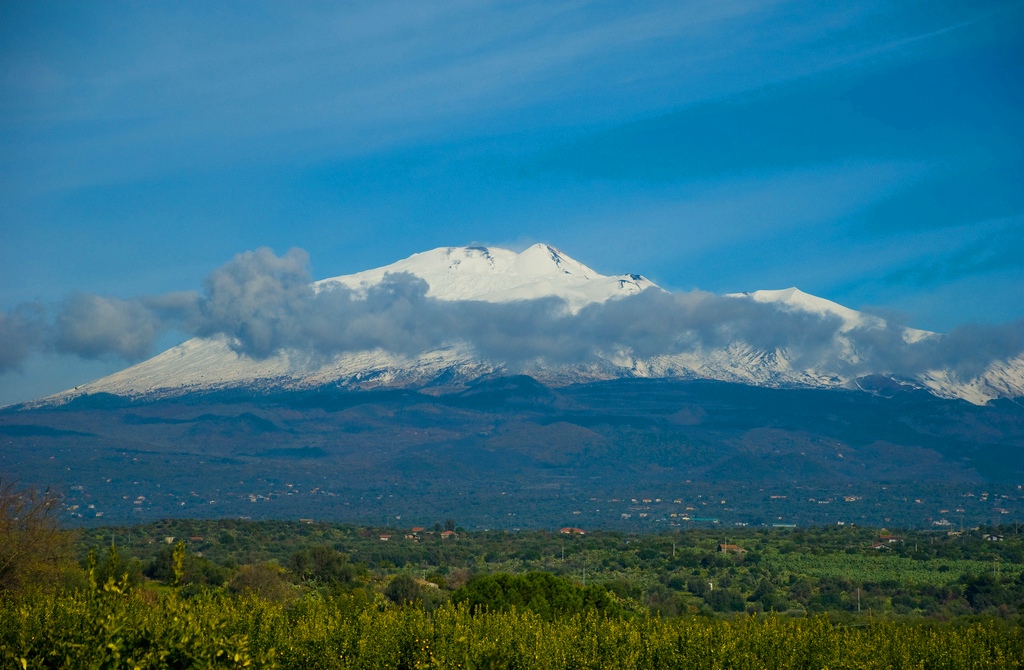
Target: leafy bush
{"type": "Point", "coordinates": [725, 600]}
{"type": "Point", "coordinates": [324, 565]}
{"type": "Point", "coordinates": [195, 569]}
{"type": "Point", "coordinates": [544, 594]}
{"type": "Point", "coordinates": [403, 589]}
{"type": "Point", "coordinates": [263, 580]}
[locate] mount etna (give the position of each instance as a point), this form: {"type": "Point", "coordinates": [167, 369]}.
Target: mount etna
{"type": "Point", "coordinates": [516, 390]}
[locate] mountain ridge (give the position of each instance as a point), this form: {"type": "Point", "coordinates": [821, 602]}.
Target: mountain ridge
{"type": "Point", "coordinates": [493, 276]}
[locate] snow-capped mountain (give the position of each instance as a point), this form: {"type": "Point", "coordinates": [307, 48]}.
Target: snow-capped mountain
{"type": "Point", "coordinates": [493, 275]}
{"type": "Point", "coordinates": [500, 275]}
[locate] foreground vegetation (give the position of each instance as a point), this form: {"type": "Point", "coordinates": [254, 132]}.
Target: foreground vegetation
{"type": "Point", "coordinates": [229, 593]}
{"type": "Point", "coordinates": [115, 630]}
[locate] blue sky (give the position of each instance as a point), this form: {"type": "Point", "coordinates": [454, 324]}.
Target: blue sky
{"type": "Point", "coordinates": [869, 154]}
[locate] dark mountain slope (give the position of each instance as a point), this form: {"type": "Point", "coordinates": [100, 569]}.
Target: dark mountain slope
{"type": "Point", "coordinates": [510, 451]}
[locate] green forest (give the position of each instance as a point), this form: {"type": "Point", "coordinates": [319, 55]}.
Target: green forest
{"type": "Point", "coordinates": [298, 594]}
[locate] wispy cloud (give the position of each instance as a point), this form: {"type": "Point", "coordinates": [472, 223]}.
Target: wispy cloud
{"type": "Point", "coordinates": [340, 80]}
{"type": "Point", "coordinates": [992, 247]}
{"type": "Point", "coordinates": [750, 217]}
